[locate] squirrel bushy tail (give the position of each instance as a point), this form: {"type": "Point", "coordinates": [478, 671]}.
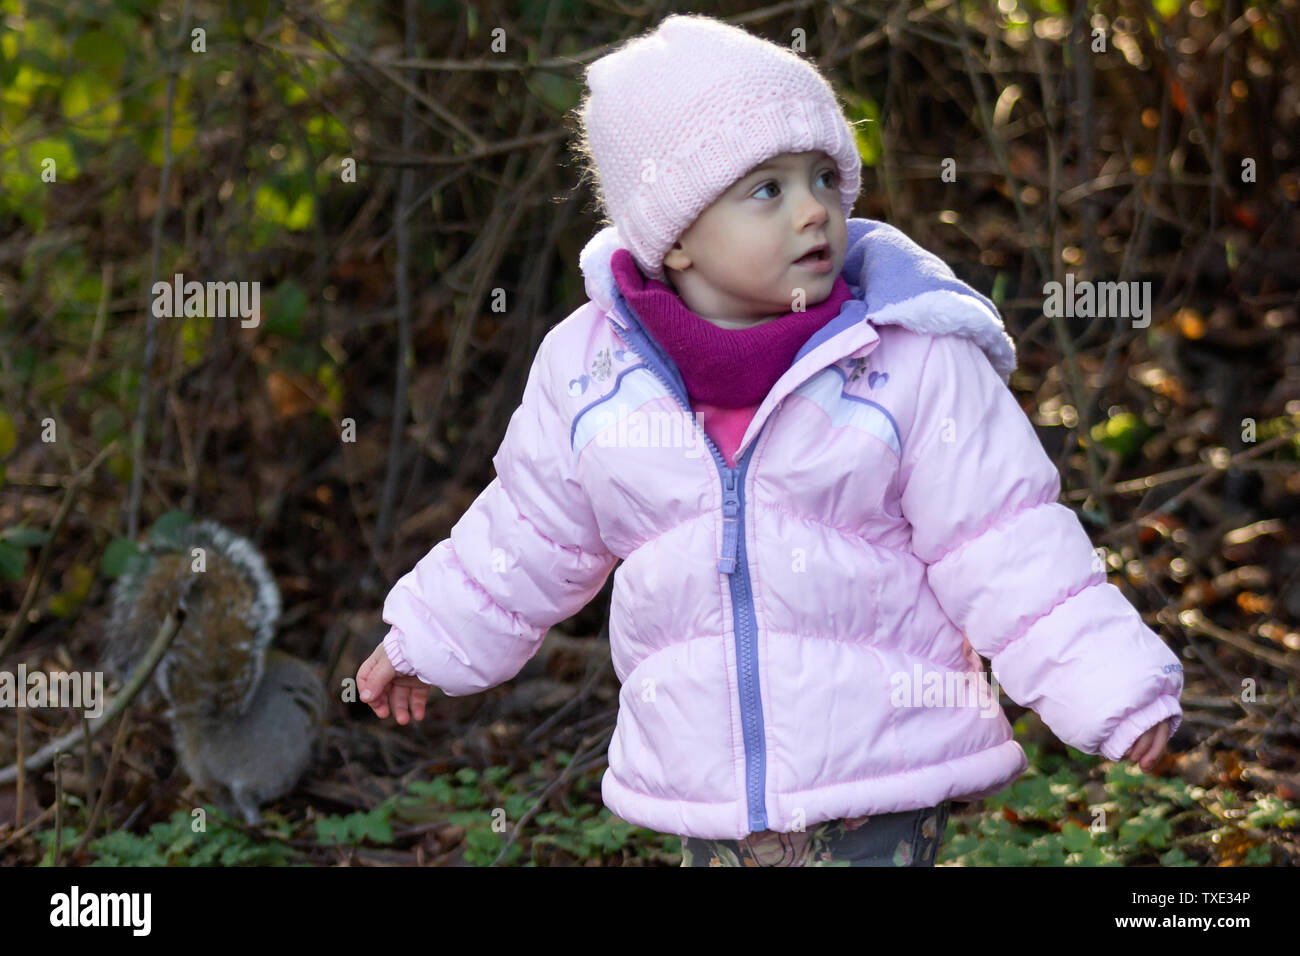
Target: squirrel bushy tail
{"type": "Point", "coordinates": [232, 604]}
{"type": "Point", "coordinates": [245, 717]}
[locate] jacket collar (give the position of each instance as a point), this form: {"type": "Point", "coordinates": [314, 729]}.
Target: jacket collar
{"type": "Point", "coordinates": [894, 282]}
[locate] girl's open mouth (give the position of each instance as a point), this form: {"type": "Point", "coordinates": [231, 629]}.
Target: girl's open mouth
{"type": "Point", "coordinates": [819, 261]}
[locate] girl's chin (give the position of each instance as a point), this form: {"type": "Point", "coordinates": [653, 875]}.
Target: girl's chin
{"type": "Point", "coordinates": [815, 288]}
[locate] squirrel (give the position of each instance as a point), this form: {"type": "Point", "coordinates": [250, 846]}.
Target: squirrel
{"type": "Point", "coordinates": [246, 718]}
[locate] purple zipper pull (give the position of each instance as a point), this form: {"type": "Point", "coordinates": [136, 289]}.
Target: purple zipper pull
{"type": "Point", "coordinates": [730, 530]}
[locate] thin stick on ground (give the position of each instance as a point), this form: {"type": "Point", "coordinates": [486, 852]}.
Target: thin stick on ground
{"type": "Point", "coordinates": [118, 740]}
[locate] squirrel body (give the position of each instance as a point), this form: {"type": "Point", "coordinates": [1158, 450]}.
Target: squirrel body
{"type": "Point", "coordinates": [245, 718]}
{"type": "Point", "coordinates": [260, 756]}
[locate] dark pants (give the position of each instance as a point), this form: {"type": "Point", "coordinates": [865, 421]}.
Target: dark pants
{"type": "Point", "coordinates": [909, 838]}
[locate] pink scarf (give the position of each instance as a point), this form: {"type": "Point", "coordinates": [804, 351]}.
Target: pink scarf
{"type": "Point", "coordinates": [727, 368]}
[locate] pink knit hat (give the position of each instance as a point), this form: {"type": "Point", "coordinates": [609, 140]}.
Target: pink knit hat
{"type": "Point", "coordinates": [676, 116]}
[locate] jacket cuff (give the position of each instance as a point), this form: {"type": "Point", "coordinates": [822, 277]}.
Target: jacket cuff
{"type": "Point", "coordinates": [394, 647]}
{"type": "Point", "coordinates": [1139, 722]}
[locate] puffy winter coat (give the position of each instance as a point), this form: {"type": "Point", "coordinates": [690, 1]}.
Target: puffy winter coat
{"type": "Point", "coordinates": [797, 637]}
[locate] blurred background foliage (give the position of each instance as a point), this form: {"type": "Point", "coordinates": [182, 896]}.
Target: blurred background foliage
{"type": "Point", "coordinates": [133, 149]}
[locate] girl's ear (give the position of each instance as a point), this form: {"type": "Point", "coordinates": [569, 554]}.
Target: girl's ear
{"type": "Point", "coordinates": [677, 258]}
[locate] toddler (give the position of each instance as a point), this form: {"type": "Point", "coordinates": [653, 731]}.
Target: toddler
{"type": "Point", "coordinates": [794, 430]}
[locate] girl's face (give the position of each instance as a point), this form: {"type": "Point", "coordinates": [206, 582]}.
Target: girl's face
{"type": "Point", "coordinates": [735, 265]}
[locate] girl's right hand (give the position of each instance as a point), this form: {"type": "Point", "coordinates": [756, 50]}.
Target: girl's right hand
{"type": "Point", "coordinates": [381, 687]}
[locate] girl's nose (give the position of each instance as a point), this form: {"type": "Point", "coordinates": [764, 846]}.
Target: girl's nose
{"type": "Point", "coordinates": [814, 215]}
{"type": "Point", "coordinates": [811, 209]}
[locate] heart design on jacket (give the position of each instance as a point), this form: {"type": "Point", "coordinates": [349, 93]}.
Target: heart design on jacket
{"type": "Point", "coordinates": [877, 378]}
{"type": "Point", "coordinates": [578, 385]}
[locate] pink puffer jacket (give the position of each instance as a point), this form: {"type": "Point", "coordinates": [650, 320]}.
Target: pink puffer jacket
{"type": "Point", "coordinates": [797, 638]}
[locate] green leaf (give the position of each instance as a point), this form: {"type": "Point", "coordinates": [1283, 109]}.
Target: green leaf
{"type": "Point", "coordinates": [118, 555]}
{"type": "Point", "coordinates": [196, 333]}
{"type": "Point", "coordinates": [77, 581]}
{"type": "Point", "coordinates": [24, 536]}
{"type": "Point", "coordinates": [100, 50]}
{"type": "Point", "coordinates": [466, 818]}
{"type": "Point", "coordinates": [1123, 434]}
{"type": "Point", "coordinates": [1149, 826]}
{"type": "Point", "coordinates": [8, 434]}
{"type": "Point", "coordinates": [326, 131]}
{"type": "Point", "coordinates": [300, 216]}
{"type": "Point", "coordinates": [330, 830]}
{"type": "Point", "coordinates": [356, 827]}
{"type": "Point", "coordinates": [106, 423]}
{"type": "Point", "coordinates": [999, 293]}
{"type": "Point", "coordinates": [272, 206]}
{"type": "Point", "coordinates": [1092, 856]}
{"type": "Point", "coordinates": [164, 530]}
{"type": "Point", "coordinates": [864, 116]}
{"type": "Point", "coordinates": [1258, 855]}
{"type": "Point", "coordinates": [559, 93]}
{"type": "Point", "coordinates": [285, 308]}
{"type": "Point", "coordinates": [39, 61]}
{"type": "Point", "coordinates": [88, 103]}
{"type": "Point", "coordinates": [375, 827]}
{"type": "Point", "coordinates": [1075, 837]}
{"type": "Point", "coordinates": [517, 804]}
{"type": "Point", "coordinates": [1011, 855]}
{"type": "Point", "coordinates": [13, 562]}
{"type": "Point", "coordinates": [439, 789]}
{"type": "Point", "coordinates": [59, 150]}
{"type": "Point", "coordinates": [1272, 812]}
{"type": "Point", "coordinates": [151, 135]}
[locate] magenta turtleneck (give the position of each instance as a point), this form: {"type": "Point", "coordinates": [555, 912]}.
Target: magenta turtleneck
{"type": "Point", "coordinates": [727, 372]}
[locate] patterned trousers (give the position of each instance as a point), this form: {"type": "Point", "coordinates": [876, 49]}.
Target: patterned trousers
{"type": "Point", "coordinates": [909, 838]}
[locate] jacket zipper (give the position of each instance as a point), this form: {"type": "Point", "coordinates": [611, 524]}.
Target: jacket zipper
{"type": "Point", "coordinates": [734, 562]}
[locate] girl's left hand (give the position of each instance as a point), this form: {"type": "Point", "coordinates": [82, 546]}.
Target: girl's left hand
{"type": "Point", "coordinates": [1147, 748]}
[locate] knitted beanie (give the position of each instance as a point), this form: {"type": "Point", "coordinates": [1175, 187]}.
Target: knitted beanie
{"type": "Point", "coordinates": [673, 118]}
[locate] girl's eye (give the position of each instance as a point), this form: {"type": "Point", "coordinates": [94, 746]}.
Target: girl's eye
{"type": "Point", "coordinates": [772, 183]}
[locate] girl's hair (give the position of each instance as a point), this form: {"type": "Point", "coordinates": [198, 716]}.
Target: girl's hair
{"type": "Point", "coordinates": [584, 158]}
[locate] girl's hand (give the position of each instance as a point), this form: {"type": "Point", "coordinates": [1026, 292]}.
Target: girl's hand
{"type": "Point", "coordinates": [1146, 749]}
{"type": "Point", "coordinates": [381, 686]}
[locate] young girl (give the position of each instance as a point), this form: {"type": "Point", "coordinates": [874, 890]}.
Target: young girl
{"type": "Point", "coordinates": [793, 429]}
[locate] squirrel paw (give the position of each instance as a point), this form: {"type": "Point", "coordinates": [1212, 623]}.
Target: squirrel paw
{"type": "Point", "coordinates": [246, 803]}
